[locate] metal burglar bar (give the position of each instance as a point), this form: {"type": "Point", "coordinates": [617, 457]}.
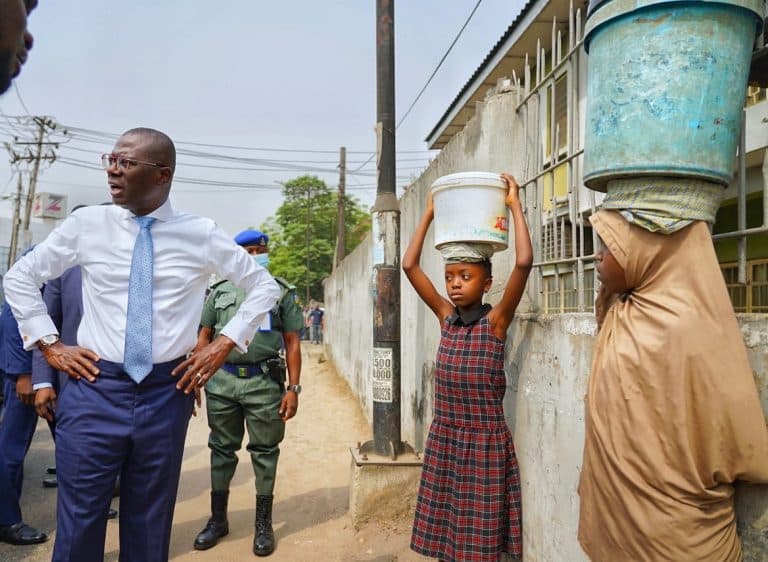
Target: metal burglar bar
{"type": "Point", "coordinates": [746, 275]}
{"type": "Point", "coordinates": [563, 240]}
{"type": "Point", "coordinates": [557, 205]}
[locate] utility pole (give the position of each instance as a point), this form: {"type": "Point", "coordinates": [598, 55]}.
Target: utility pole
{"type": "Point", "coordinates": [385, 452]}
{"type": "Point", "coordinates": [341, 227]}
{"type": "Point", "coordinates": [386, 248]}
{"type": "Point", "coordinates": [33, 157]}
{"type": "Point", "coordinates": [42, 124]}
{"type": "Point", "coordinates": [15, 224]}
{"type": "Point", "coordinates": [309, 224]}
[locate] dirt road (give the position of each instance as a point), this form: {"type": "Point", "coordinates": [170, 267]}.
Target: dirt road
{"type": "Point", "coordinates": [311, 497]}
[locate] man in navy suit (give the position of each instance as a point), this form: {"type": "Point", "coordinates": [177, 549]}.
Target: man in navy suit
{"type": "Point", "coordinates": [145, 267]}
{"type": "Point", "coordinates": [16, 431]}
{"type": "Point", "coordinates": [63, 297]}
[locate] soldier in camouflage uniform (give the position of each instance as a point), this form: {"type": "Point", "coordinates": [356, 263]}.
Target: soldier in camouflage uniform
{"type": "Point", "coordinates": [248, 391]}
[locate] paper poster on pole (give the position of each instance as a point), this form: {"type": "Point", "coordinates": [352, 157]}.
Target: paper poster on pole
{"type": "Point", "coordinates": [378, 243]}
{"type": "Point", "coordinates": [382, 374]}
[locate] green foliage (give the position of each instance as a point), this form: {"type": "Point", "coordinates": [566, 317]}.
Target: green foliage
{"type": "Point", "coordinates": [303, 233]}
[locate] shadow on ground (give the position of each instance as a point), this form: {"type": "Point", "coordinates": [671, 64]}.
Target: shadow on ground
{"type": "Point", "coordinates": [316, 507]}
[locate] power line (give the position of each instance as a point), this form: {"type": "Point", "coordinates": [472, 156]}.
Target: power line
{"type": "Point", "coordinates": [98, 152]}
{"type": "Point", "coordinates": [21, 100]}
{"type": "Point", "coordinates": [431, 76]}
{"type": "Point", "coordinates": [73, 138]}
{"type": "Point", "coordinates": [218, 189]}
{"type": "Point", "coordinates": [191, 181]}
{"type": "Point", "coordinates": [100, 137]}
{"type": "Point", "coordinates": [439, 64]}
{"type": "Point", "coordinates": [271, 165]}
{"type": "Point", "coordinates": [93, 132]}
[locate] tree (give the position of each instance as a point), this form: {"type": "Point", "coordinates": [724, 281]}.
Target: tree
{"type": "Point", "coordinates": [303, 233]}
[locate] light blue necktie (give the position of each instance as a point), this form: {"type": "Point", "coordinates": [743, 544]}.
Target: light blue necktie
{"type": "Point", "coordinates": [137, 361]}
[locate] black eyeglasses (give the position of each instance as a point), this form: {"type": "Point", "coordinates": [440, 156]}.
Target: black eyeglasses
{"type": "Point", "coordinates": [124, 163]}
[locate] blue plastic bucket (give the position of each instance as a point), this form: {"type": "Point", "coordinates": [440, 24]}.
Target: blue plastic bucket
{"type": "Point", "coordinates": [666, 88]}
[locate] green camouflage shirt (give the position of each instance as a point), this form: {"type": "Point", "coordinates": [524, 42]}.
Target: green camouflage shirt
{"type": "Point", "coordinates": [224, 301]}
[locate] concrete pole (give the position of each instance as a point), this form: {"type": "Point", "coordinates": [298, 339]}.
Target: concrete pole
{"type": "Point", "coordinates": [309, 224]}
{"type": "Point", "coordinates": [42, 124]}
{"type": "Point", "coordinates": [341, 227]}
{"type": "Point", "coordinates": [386, 254]}
{"type": "Point", "coordinates": [15, 225]}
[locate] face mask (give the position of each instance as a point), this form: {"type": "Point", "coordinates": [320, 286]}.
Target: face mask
{"type": "Point", "coordinates": [261, 259]}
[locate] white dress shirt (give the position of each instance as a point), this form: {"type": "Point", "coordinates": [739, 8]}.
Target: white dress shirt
{"type": "Point", "coordinates": [187, 250]}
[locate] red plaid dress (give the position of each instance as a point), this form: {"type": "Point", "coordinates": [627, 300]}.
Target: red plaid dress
{"type": "Point", "coordinates": [469, 504]}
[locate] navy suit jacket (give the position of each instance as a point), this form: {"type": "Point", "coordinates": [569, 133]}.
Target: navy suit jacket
{"type": "Point", "coordinates": [64, 298]}
{"type": "Point", "coordinates": [14, 361]}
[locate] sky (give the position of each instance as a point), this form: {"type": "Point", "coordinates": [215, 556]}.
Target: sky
{"type": "Point", "coordinates": [295, 75]}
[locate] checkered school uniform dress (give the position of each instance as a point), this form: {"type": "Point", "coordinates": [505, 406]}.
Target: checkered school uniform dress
{"type": "Point", "coordinates": [469, 505]}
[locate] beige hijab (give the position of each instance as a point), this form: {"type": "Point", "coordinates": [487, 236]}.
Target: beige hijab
{"type": "Point", "coordinates": [672, 411]}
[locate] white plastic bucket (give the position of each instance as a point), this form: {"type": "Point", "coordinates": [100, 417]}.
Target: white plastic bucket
{"type": "Point", "coordinates": [469, 207]}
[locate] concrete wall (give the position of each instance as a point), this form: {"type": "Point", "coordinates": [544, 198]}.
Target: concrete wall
{"type": "Point", "coordinates": [548, 357]}
{"type": "Point", "coordinates": [348, 329]}
{"type": "Point", "coordinates": [491, 141]}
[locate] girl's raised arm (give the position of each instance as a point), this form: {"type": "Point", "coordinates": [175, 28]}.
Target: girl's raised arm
{"type": "Point", "coordinates": [424, 287]}
{"type": "Point", "coordinates": [501, 315]}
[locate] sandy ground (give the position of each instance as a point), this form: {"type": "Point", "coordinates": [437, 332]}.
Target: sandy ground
{"type": "Point", "coordinates": [311, 497]}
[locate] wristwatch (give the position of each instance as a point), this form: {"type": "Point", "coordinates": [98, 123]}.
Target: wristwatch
{"type": "Point", "coordinates": [295, 388]}
{"type": "Point", "coordinates": [47, 341]}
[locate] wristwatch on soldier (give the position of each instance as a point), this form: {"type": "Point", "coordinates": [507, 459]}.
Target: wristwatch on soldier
{"type": "Point", "coordinates": [294, 388]}
{"type": "Point", "coordinates": [47, 341]}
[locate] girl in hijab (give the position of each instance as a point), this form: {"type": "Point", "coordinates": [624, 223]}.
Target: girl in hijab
{"type": "Point", "coordinates": [673, 416]}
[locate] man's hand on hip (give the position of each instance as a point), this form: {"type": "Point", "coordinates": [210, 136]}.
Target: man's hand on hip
{"type": "Point", "coordinates": [199, 367]}
{"type": "Point", "coordinates": [45, 403]}
{"type": "Point", "coordinates": [76, 361]}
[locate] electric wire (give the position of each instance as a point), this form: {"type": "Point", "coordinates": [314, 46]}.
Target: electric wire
{"type": "Point", "coordinates": [21, 100]}
{"type": "Point", "coordinates": [434, 72]}
{"type": "Point", "coordinates": [112, 136]}
{"type": "Point", "coordinates": [439, 64]}
{"type": "Point", "coordinates": [68, 138]}
{"type": "Point", "coordinates": [181, 179]}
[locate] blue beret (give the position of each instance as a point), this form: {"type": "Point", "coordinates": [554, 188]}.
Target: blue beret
{"type": "Point", "coordinates": [252, 238]}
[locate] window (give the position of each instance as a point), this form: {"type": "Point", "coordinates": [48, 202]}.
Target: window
{"type": "Point", "coordinates": [559, 292]}
{"type": "Point", "coordinates": [558, 238]}
{"type": "Point", "coordinates": [751, 297]}
{"type": "Point", "coordinates": [562, 240]}
{"type": "Point", "coordinates": [557, 96]}
{"type": "Point", "coordinates": [755, 95]}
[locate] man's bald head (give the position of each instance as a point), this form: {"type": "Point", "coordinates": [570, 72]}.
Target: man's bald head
{"type": "Point", "coordinates": [142, 182]}
{"type": "Point", "coordinates": [158, 146]}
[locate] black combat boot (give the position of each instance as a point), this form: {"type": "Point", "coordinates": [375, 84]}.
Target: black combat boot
{"type": "Point", "coordinates": [264, 539]}
{"type": "Point", "coordinates": [217, 525]}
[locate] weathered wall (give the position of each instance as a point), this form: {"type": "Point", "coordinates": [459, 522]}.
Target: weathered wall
{"type": "Point", "coordinates": [348, 331]}
{"type": "Point", "coordinates": [548, 357]}
{"type": "Point", "coordinates": [492, 141]}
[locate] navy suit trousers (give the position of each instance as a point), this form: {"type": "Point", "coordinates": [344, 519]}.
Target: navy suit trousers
{"type": "Point", "coordinates": [16, 430]}
{"type": "Point", "coordinates": [115, 427]}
